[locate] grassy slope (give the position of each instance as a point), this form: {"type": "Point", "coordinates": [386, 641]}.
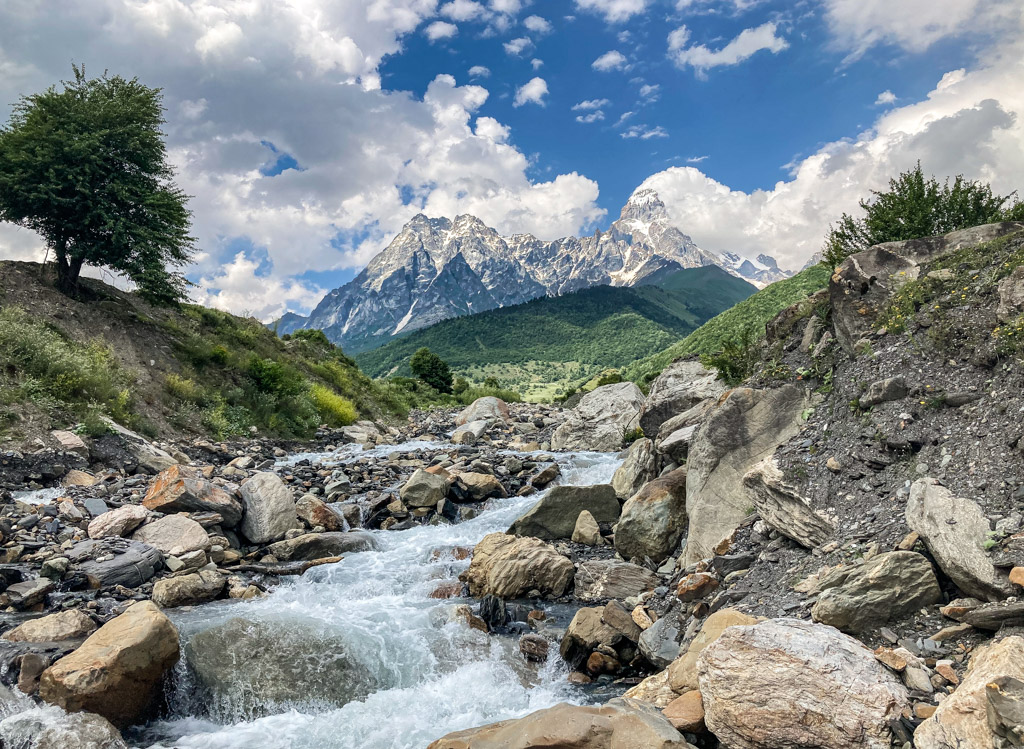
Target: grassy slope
{"type": "Point", "coordinates": [555, 340]}
{"type": "Point", "coordinates": [753, 313]}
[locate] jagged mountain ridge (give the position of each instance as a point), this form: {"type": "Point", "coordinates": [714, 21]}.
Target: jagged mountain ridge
{"type": "Point", "coordinates": [439, 268]}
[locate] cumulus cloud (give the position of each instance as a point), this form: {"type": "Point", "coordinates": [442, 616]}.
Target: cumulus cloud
{"type": "Point", "coordinates": [537, 25]}
{"type": "Point", "coordinates": [536, 63]}
{"type": "Point", "coordinates": [644, 132]}
{"type": "Point", "coordinates": [517, 46]}
{"type": "Point", "coordinates": [746, 44]}
{"type": "Point", "coordinates": [885, 99]}
{"type": "Point", "coordinates": [441, 30]}
{"type": "Point", "coordinates": [614, 11]}
{"type": "Point", "coordinates": [590, 104]}
{"type": "Point", "coordinates": [649, 92]}
{"type": "Point", "coordinates": [611, 60]}
{"type": "Point", "coordinates": [531, 92]}
{"type": "Point", "coordinates": [464, 10]}
{"type": "Point", "coordinates": [479, 71]}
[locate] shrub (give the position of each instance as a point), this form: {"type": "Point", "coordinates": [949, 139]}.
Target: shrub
{"type": "Point", "coordinates": [735, 360]}
{"type": "Point", "coordinates": [183, 389]}
{"type": "Point", "coordinates": [631, 436]}
{"type": "Point", "coordinates": [274, 378]}
{"type": "Point", "coordinates": [432, 369]}
{"type": "Point", "coordinates": [334, 410]}
{"type": "Point", "coordinates": [609, 378]}
{"type": "Point", "coordinates": [460, 385]}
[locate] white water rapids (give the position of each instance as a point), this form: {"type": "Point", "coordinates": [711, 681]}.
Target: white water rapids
{"type": "Point", "coordinates": [421, 675]}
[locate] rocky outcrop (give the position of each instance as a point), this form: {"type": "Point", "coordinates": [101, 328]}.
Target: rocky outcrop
{"type": "Point", "coordinates": [639, 467]}
{"type": "Point", "coordinates": [964, 719]}
{"type": "Point", "coordinates": [487, 408]}
{"type": "Point", "coordinates": [602, 579]}
{"type": "Point", "coordinates": [679, 387]}
{"type": "Point", "coordinates": [618, 724]}
{"type": "Point", "coordinates": [424, 489]}
{"type": "Point", "coordinates": [117, 672]}
{"type": "Point", "coordinates": [188, 590]}
{"type": "Point", "coordinates": [174, 535]}
{"type": "Point", "coordinates": [783, 508]}
{"type": "Point", "coordinates": [269, 508]}
{"type": "Point", "coordinates": [955, 530]}
{"type": "Point", "coordinates": [682, 673]}
{"type": "Point", "coordinates": [654, 519]}
{"type": "Point", "coordinates": [787, 682]}
{"type": "Point", "coordinates": [509, 567]}
{"type": "Point", "coordinates": [183, 489]}
{"type": "Point", "coordinates": [601, 420]}
{"type": "Point", "coordinates": [322, 545]}
{"type": "Point", "coordinates": [554, 515]}
{"type": "Point", "coordinates": [866, 596]}
{"type": "Point", "coordinates": [74, 624]}
{"type": "Point", "coordinates": [743, 429]}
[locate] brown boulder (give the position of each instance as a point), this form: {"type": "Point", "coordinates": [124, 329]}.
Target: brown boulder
{"type": "Point", "coordinates": [183, 489]}
{"type": "Point", "coordinates": [510, 566]}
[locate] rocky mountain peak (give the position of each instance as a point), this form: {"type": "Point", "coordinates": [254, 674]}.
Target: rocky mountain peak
{"type": "Point", "coordinates": [644, 205]}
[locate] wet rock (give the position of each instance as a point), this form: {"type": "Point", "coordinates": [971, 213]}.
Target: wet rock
{"type": "Point", "coordinates": [322, 545]}
{"type": "Point", "coordinates": [609, 578]}
{"type": "Point", "coordinates": [188, 590]}
{"type": "Point", "coordinates": [601, 419]}
{"type": "Point", "coordinates": [183, 489]}
{"type": "Point", "coordinates": [269, 508]}
{"type": "Point", "coordinates": [174, 535]}
{"type": "Point", "coordinates": [510, 567]}
{"type": "Point", "coordinates": [639, 467]}
{"type": "Point", "coordinates": [119, 522]}
{"type": "Point", "coordinates": [28, 593]}
{"type": "Point", "coordinates": [888, 586]}
{"type": "Point", "coordinates": [480, 486]}
{"type": "Point", "coordinates": [315, 512]}
{"type": "Point", "coordinates": [679, 387]}
{"type": "Point", "coordinates": [682, 673]}
{"type": "Point", "coordinates": [783, 508]}
{"type": "Point", "coordinates": [117, 672]}
{"type": "Point", "coordinates": [546, 476]}
{"type": "Point", "coordinates": [591, 630]}
{"type": "Point", "coordinates": [73, 624]}
{"type": "Point", "coordinates": [424, 489]}
{"type": "Point", "coordinates": [534, 648]}
{"type": "Point", "coordinates": [825, 689]}
{"type": "Point", "coordinates": [654, 519]}
{"type": "Point", "coordinates": [955, 530]}
{"type": "Point", "coordinates": [133, 562]}
{"type": "Point", "coordinates": [587, 531]}
{"type": "Point", "coordinates": [554, 515]}
{"type": "Point", "coordinates": [48, 728]}
{"type": "Point", "coordinates": [483, 409]}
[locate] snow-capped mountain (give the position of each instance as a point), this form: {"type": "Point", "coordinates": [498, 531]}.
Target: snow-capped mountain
{"type": "Point", "coordinates": [761, 271]}
{"type": "Point", "coordinates": [438, 268]}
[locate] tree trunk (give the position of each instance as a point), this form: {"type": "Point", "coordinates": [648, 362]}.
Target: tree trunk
{"type": "Point", "coordinates": [68, 271]}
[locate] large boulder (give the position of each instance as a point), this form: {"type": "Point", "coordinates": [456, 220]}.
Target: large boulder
{"type": "Point", "coordinates": [964, 719]}
{"type": "Point", "coordinates": [424, 489]}
{"type": "Point", "coordinates": [49, 728]}
{"type": "Point", "coordinates": [107, 562]}
{"type": "Point", "coordinates": [73, 624]}
{"type": "Point", "coordinates": [743, 429]}
{"type": "Point", "coordinates": [601, 420]}
{"type": "Point", "coordinates": [659, 643]}
{"type": "Point", "coordinates": [608, 628]}
{"type": "Point", "coordinates": [679, 387]}
{"type": "Point", "coordinates": [269, 508]}
{"type": "Point", "coordinates": [791, 683]}
{"type": "Point", "coordinates": [487, 408]}
{"type": "Point", "coordinates": [955, 530]}
{"type": "Point", "coordinates": [654, 519]}
{"type": "Point", "coordinates": [682, 673]}
{"type": "Point", "coordinates": [509, 567]}
{"type": "Point", "coordinates": [554, 515]}
{"type": "Point", "coordinates": [639, 467]}
{"type": "Point", "coordinates": [146, 454]}
{"type": "Point", "coordinates": [182, 489]}
{"type": "Point", "coordinates": [174, 535]}
{"type": "Point", "coordinates": [601, 579]}
{"type": "Point", "coordinates": [322, 545]}
{"type": "Point", "coordinates": [481, 485]}
{"type": "Point", "coordinates": [888, 586]}
{"type": "Point", "coordinates": [783, 508]}
{"type": "Point", "coordinates": [117, 672]}
{"type": "Point", "coordinates": [617, 724]}
{"type": "Point", "coordinates": [119, 522]}
{"type": "Point", "coordinates": [188, 590]}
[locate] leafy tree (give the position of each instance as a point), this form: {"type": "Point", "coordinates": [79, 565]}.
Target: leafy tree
{"type": "Point", "coordinates": [914, 206]}
{"type": "Point", "coordinates": [86, 168]}
{"type": "Point", "coordinates": [432, 369]}
{"type": "Point", "coordinates": [491, 382]}
{"type": "Point", "coordinates": [460, 385]}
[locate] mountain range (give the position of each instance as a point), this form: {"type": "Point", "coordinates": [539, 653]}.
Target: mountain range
{"type": "Point", "coordinates": [439, 268]}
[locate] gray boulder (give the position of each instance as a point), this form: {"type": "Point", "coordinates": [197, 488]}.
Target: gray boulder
{"type": "Point", "coordinates": [174, 535]}
{"type": "Point", "coordinates": [882, 391]}
{"type": "Point", "coordinates": [509, 567]}
{"type": "Point", "coordinates": [322, 545]}
{"type": "Point", "coordinates": [554, 516]}
{"type": "Point", "coordinates": [468, 434]}
{"type": "Point", "coordinates": [639, 467]}
{"type": "Point", "coordinates": [188, 590]}
{"type": "Point", "coordinates": [269, 508]}
{"type": "Point", "coordinates": [654, 519]}
{"type": "Point", "coordinates": [50, 728]}
{"type": "Point", "coordinates": [487, 408]}
{"type": "Point", "coordinates": [680, 386]}
{"type": "Point", "coordinates": [603, 579]}
{"type": "Point", "coordinates": [133, 562]}
{"type": "Point", "coordinates": [659, 643]}
{"type": "Point", "coordinates": [601, 419]}
{"type": "Point", "coordinates": [783, 508]}
{"type": "Point", "coordinates": [424, 489]}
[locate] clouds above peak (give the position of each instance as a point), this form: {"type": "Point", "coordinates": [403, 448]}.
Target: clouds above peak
{"type": "Point", "coordinates": [745, 45]}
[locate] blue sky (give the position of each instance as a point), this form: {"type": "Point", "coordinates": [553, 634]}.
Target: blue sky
{"type": "Point", "coordinates": [310, 132]}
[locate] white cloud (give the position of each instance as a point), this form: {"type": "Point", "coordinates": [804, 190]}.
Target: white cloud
{"type": "Point", "coordinates": [650, 92]}
{"type": "Point", "coordinates": [236, 287]}
{"type": "Point", "coordinates": [441, 30]}
{"type": "Point", "coordinates": [537, 25]}
{"type": "Point", "coordinates": [590, 104]}
{"type": "Point", "coordinates": [611, 60]}
{"type": "Point", "coordinates": [479, 71]}
{"type": "Point", "coordinates": [623, 117]}
{"type": "Point", "coordinates": [644, 132]}
{"type": "Point", "coordinates": [532, 92]}
{"type": "Point", "coordinates": [464, 10]}
{"type": "Point", "coordinates": [536, 63]}
{"type": "Point", "coordinates": [971, 123]}
{"type": "Point", "coordinates": [509, 7]}
{"type": "Point", "coordinates": [696, 159]}
{"type": "Point", "coordinates": [885, 99]}
{"type": "Point", "coordinates": [517, 46]}
{"type": "Point", "coordinates": [614, 11]}
{"type": "Point", "coordinates": [746, 44]}
{"type": "Point", "coordinates": [594, 116]}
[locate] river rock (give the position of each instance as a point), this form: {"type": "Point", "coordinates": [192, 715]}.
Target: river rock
{"type": "Point", "coordinates": [618, 724]}
{"type": "Point", "coordinates": [659, 643]}
{"type": "Point", "coordinates": [119, 522]}
{"type": "Point", "coordinates": [955, 530]}
{"type": "Point", "coordinates": [133, 562]}
{"type": "Point", "coordinates": [601, 419]}
{"type": "Point", "coordinates": [174, 535]}
{"type": "Point", "coordinates": [117, 672]}
{"type": "Point", "coordinates": [554, 515]}
{"type": "Point", "coordinates": [654, 690]}
{"type": "Point", "coordinates": [28, 593]}
{"type": "Point", "coordinates": [962, 719]}
{"type": "Point", "coordinates": [49, 728]}
{"type": "Point", "coordinates": [686, 713]}
{"type": "Point", "coordinates": [468, 434]}
{"type": "Point", "coordinates": [587, 531]}
{"type": "Point", "coordinates": [601, 579]}
{"type": "Point", "coordinates": [639, 467]}
{"type": "Point", "coordinates": [682, 673]}
{"type": "Point", "coordinates": [188, 590]}
{"type": "Point", "coordinates": [424, 489]}
{"type": "Point", "coordinates": [482, 485]}
{"type": "Point", "coordinates": [269, 508]}
{"type": "Point", "coordinates": [183, 489]}
{"type": "Point", "coordinates": [73, 624]}
{"type": "Point", "coordinates": [315, 512]}
{"type": "Point", "coordinates": [787, 682]}
{"type": "Point", "coordinates": [743, 429]}
{"type": "Point", "coordinates": [679, 387]}
{"type": "Point", "coordinates": [783, 508]}
{"type": "Point", "coordinates": [590, 629]}
{"type": "Point", "coordinates": [484, 409]}
{"type": "Point", "coordinates": [322, 545]}
{"type": "Point", "coordinates": [654, 519]}
{"type": "Point", "coordinates": [510, 567]}
{"type": "Point", "coordinates": [857, 598]}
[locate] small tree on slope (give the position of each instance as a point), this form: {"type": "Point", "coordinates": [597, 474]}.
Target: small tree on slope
{"type": "Point", "coordinates": [85, 167]}
{"type": "Point", "coordinates": [432, 369]}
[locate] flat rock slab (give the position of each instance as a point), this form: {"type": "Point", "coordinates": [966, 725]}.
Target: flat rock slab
{"type": "Point", "coordinates": [604, 579]}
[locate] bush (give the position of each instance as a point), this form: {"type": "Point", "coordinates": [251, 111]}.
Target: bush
{"type": "Point", "coordinates": [183, 389]}
{"type": "Point", "coordinates": [736, 359]}
{"type": "Point", "coordinates": [460, 385]}
{"type": "Point", "coordinates": [432, 369]}
{"type": "Point", "coordinates": [334, 410]}
{"type": "Point", "coordinates": [609, 378]}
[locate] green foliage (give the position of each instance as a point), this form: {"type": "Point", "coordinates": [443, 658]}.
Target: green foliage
{"type": "Point", "coordinates": [432, 369]}
{"type": "Point", "coordinates": [736, 359]}
{"type": "Point", "coordinates": [631, 436]}
{"type": "Point", "coordinates": [86, 168]}
{"type": "Point", "coordinates": [460, 385]}
{"type": "Point", "coordinates": [491, 382]}
{"type": "Point", "coordinates": [334, 410]}
{"type": "Point", "coordinates": [184, 389]}
{"type": "Point", "coordinates": [914, 206]}
{"type": "Point", "coordinates": [609, 378]}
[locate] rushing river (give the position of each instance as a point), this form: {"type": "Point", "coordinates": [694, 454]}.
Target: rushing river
{"type": "Point", "coordinates": [418, 673]}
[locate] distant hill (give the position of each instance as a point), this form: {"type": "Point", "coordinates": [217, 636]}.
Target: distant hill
{"type": "Point", "coordinates": [547, 343]}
